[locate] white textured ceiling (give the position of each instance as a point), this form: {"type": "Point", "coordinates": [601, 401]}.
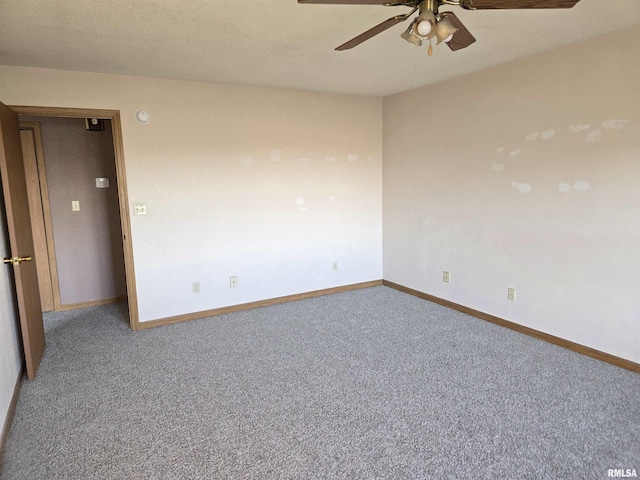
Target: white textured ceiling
{"type": "Point", "coordinates": [279, 43]}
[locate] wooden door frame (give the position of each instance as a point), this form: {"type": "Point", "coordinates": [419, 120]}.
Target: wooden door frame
{"type": "Point", "coordinates": [123, 196]}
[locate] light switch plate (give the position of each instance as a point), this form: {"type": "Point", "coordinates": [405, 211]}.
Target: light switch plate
{"type": "Point", "coordinates": [139, 208]}
{"type": "Point", "coordinates": [75, 205]}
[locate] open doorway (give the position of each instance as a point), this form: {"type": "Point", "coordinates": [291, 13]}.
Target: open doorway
{"type": "Point", "coordinates": [81, 201]}
{"type": "Point", "coordinates": [75, 217]}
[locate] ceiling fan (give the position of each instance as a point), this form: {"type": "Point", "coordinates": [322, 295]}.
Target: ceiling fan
{"type": "Point", "coordinates": [429, 24]}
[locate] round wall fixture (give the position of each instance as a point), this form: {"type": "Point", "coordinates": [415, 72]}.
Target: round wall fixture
{"type": "Point", "coordinates": [143, 117]}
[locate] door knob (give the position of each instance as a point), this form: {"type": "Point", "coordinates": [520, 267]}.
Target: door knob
{"type": "Point", "coordinates": [17, 260]}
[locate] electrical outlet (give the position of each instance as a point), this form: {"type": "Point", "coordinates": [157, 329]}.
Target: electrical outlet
{"type": "Point", "coordinates": [195, 287]}
{"type": "Point", "coordinates": [446, 277]}
{"type": "Point", "coordinates": [233, 282]}
{"type": "Point", "coordinates": [334, 266]}
{"type": "Point", "coordinates": [511, 294]}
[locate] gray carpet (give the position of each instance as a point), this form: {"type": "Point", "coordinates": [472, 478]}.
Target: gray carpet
{"type": "Point", "coordinates": [372, 383]}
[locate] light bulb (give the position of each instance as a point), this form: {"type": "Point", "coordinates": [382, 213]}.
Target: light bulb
{"type": "Point", "coordinates": [424, 28]}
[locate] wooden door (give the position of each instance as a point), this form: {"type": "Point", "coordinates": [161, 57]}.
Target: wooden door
{"type": "Point", "coordinates": [14, 187]}
{"type": "Point", "coordinates": [33, 162]}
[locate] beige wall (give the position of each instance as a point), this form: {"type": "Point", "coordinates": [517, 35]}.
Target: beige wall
{"type": "Point", "coordinates": [523, 176]}
{"type": "Point", "coordinates": [268, 185]}
{"type": "Point", "coordinates": [526, 176]}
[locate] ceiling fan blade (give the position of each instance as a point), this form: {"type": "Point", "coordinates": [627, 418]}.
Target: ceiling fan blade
{"type": "Point", "coordinates": [410, 3]}
{"type": "Point", "coordinates": [462, 38]}
{"type": "Point", "coordinates": [390, 22]}
{"type": "Point", "coordinates": [506, 4]}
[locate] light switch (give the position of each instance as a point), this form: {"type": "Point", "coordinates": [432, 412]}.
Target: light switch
{"type": "Point", "coordinates": [139, 208]}
{"type": "Point", "coordinates": [75, 205]}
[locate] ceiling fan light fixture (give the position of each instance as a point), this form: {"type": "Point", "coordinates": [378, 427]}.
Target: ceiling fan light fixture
{"type": "Point", "coordinates": [424, 28]}
{"type": "Point", "coordinates": [410, 36]}
{"type": "Point", "coordinates": [445, 30]}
